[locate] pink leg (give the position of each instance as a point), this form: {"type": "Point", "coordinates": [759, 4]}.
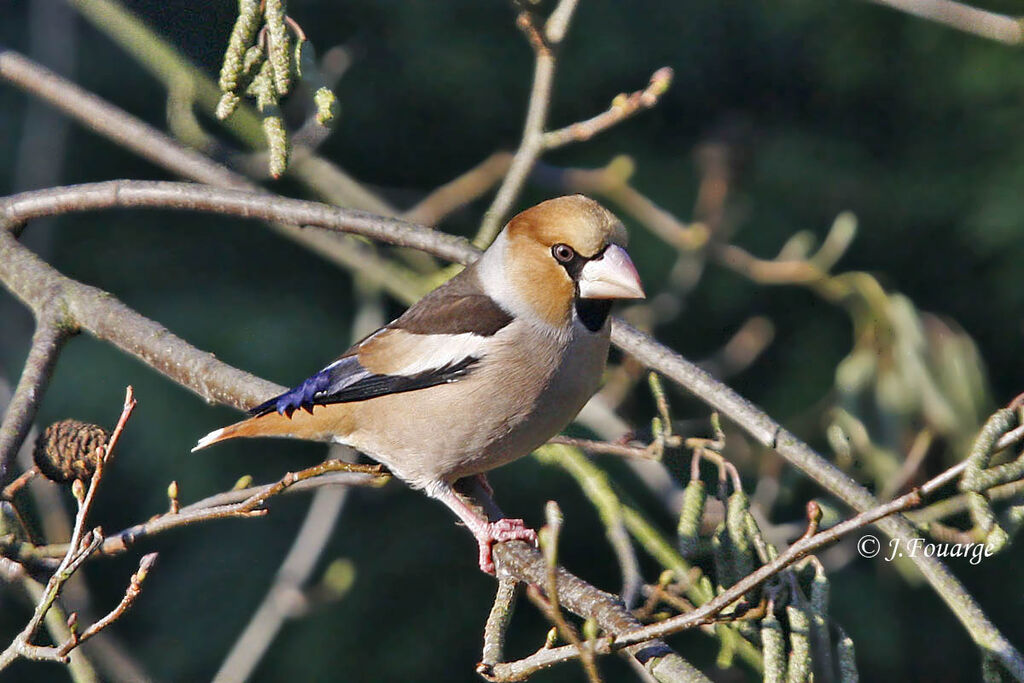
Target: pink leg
{"type": "Point", "coordinates": [486, 533]}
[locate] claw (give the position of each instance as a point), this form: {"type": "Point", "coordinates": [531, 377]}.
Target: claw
{"type": "Point", "coordinates": [498, 532]}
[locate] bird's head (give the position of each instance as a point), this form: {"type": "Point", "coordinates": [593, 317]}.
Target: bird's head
{"type": "Point", "coordinates": [563, 252]}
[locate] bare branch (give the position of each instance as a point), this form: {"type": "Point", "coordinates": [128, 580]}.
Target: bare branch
{"type": "Point", "coordinates": [811, 541]}
{"type": "Point", "coordinates": [95, 311]}
{"type": "Point", "coordinates": [598, 489]}
{"type": "Point", "coordinates": [218, 506]}
{"type": "Point", "coordinates": [965, 18]}
{"type": "Point", "coordinates": [21, 411]}
{"type": "Point", "coordinates": [535, 141]}
{"type": "Point", "coordinates": [549, 538]}
{"type": "Point", "coordinates": [460, 191]}
{"type": "Point", "coordinates": [133, 134]}
{"type": "Point", "coordinates": [516, 558]}
{"type": "Point", "coordinates": [252, 505]}
{"type": "Point", "coordinates": [606, 447]}
{"type": "Point", "coordinates": [532, 142]}
{"type": "Point", "coordinates": [623, 107]}
{"type": "Point", "coordinates": [80, 547]}
{"type": "Point", "coordinates": [130, 594]}
{"type": "Point", "coordinates": [497, 625]}
{"type": "Point", "coordinates": [188, 196]}
{"type": "Point", "coordinates": [772, 435]}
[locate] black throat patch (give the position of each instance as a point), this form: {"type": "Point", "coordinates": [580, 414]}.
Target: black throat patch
{"type": "Point", "coordinates": [593, 312]}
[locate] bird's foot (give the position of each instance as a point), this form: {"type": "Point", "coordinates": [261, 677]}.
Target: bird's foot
{"type": "Point", "coordinates": [498, 532]}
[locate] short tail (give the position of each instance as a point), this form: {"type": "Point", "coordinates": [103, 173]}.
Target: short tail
{"type": "Point", "coordinates": [322, 423]}
{"type": "Point", "coordinates": [269, 424]}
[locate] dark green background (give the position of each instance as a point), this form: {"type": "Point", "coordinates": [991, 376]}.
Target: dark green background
{"type": "Point", "coordinates": [835, 106]}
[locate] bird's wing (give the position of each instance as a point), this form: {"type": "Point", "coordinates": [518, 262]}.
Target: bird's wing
{"type": "Point", "coordinates": [439, 340]}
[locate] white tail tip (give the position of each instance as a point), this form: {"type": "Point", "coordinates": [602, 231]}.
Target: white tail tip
{"type": "Point", "coordinates": [210, 438]}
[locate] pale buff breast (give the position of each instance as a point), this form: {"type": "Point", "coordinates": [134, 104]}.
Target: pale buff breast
{"type": "Point", "coordinates": [516, 399]}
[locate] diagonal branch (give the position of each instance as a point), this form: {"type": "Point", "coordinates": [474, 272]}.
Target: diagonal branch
{"type": "Point", "coordinates": [811, 541]}
{"type": "Point", "coordinates": [21, 411]}
{"type": "Point", "coordinates": [965, 18]}
{"type": "Point", "coordinates": [772, 435]}
{"type": "Point", "coordinates": [131, 133]}
{"type": "Point", "coordinates": [517, 559]}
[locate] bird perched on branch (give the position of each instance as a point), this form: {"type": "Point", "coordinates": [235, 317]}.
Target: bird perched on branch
{"type": "Point", "coordinates": [479, 372]}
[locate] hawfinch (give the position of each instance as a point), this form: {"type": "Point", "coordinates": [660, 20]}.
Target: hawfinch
{"type": "Point", "coordinates": [479, 372]}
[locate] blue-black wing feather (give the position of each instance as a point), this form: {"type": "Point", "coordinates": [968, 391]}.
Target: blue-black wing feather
{"type": "Point", "coordinates": [457, 307]}
{"type": "Point", "coordinates": [346, 380]}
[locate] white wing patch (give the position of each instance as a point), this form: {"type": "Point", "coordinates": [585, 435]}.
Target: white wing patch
{"type": "Point", "coordinates": [423, 353]}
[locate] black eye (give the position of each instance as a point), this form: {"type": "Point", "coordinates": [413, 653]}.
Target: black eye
{"type": "Point", "coordinates": [563, 253]}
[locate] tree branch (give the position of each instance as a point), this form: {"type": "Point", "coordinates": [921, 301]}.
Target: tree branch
{"type": "Point", "coordinates": [244, 204]}
{"type": "Point", "coordinates": [811, 541]}
{"type": "Point", "coordinates": [130, 132]}
{"type": "Point", "coordinates": [82, 544]}
{"type": "Point", "coordinates": [532, 142]}
{"type": "Point", "coordinates": [227, 504]}
{"type": "Point", "coordinates": [42, 357]}
{"type": "Point", "coordinates": [519, 560]}
{"type": "Point", "coordinates": [965, 18]}
{"type": "Point", "coordinates": [770, 434]}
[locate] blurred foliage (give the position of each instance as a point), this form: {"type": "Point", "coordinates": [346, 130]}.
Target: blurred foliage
{"type": "Point", "coordinates": [829, 107]}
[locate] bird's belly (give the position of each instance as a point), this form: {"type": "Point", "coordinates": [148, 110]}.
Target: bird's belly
{"type": "Point", "coordinates": [474, 425]}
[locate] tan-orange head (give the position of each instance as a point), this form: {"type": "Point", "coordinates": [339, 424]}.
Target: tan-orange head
{"type": "Point", "coordinates": [566, 249]}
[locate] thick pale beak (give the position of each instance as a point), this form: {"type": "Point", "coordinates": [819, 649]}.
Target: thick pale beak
{"type": "Point", "coordinates": [612, 276]}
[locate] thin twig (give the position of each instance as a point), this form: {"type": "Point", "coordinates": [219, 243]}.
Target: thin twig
{"type": "Point", "coordinates": [957, 504]}
{"type": "Point", "coordinates": [915, 457]}
{"type": "Point", "coordinates": [80, 547]}
{"type": "Point", "coordinates": [623, 107]}
{"type": "Point", "coordinates": [525, 563]}
{"type": "Point", "coordinates": [532, 143]}
{"type": "Point", "coordinates": [130, 132]}
{"type": "Point", "coordinates": [251, 506]}
{"type": "Point", "coordinates": [130, 594]}
{"type": "Point", "coordinates": [596, 486]}
{"type": "Point", "coordinates": [516, 558]}
{"type": "Point", "coordinates": [770, 434]}
{"type": "Point", "coordinates": [235, 503]}
{"type": "Point", "coordinates": [809, 542]}
{"type": "Point", "coordinates": [12, 489]}
{"type": "Point", "coordinates": [469, 186]}
{"type": "Point", "coordinates": [497, 625]}
{"type": "Point", "coordinates": [549, 537]}
{"type": "Point", "coordinates": [606, 447]}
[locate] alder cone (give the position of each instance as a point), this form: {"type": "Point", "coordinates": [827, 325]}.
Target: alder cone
{"type": "Point", "coordinates": [67, 449]}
